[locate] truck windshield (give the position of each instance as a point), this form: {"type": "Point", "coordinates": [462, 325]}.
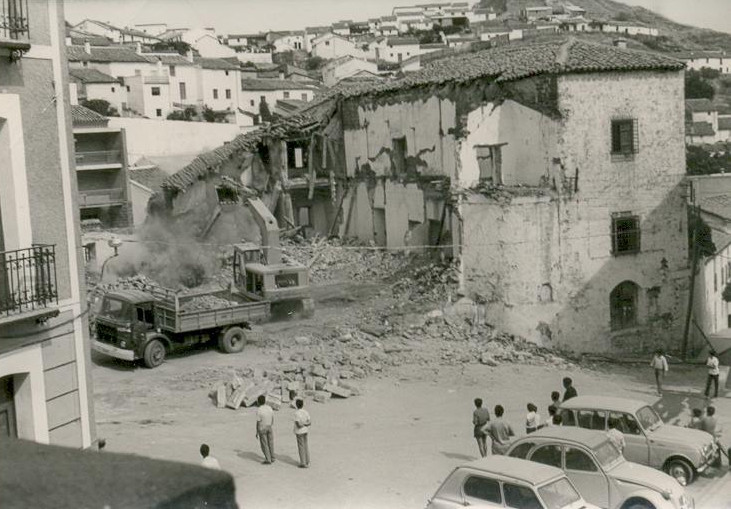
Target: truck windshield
{"type": "Point", "coordinates": [559, 494]}
{"type": "Point", "coordinates": [114, 309]}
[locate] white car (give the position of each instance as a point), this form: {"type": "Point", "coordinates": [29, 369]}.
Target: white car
{"type": "Point", "coordinates": [599, 471]}
{"type": "Point", "coordinates": [499, 481]}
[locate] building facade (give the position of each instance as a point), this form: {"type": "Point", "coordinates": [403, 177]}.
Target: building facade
{"type": "Point", "coordinates": [45, 365]}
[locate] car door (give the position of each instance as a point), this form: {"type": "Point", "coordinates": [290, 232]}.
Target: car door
{"type": "Point", "coordinates": [480, 491]}
{"type": "Point", "coordinates": [520, 497]}
{"type": "Point", "coordinates": [637, 446]}
{"type": "Point", "coordinates": [586, 475]}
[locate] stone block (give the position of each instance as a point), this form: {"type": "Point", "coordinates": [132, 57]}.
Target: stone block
{"type": "Point", "coordinates": [236, 398]}
{"type": "Point", "coordinates": [321, 396]}
{"type": "Point", "coordinates": [253, 393]}
{"type": "Point", "coordinates": [320, 382]}
{"type": "Point", "coordinates": [336, 390]}
{"type": "Point", "coordinates": [221, 396]}
{"type": "Point", "coordinates": [285, 392]}
{"type": "Point", "coordinates": [309, 383]}
{"type": "Point", "coordinates": [318, 370]}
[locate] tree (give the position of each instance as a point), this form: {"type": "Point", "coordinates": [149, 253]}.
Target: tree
{"type": "Point", "coordinates": [696, 87]}
{"type": "Point", "coordinates": [709, 74]}
{"type": "Point", "coordinates": [187, 115]}
{"type": "Point", "coordinates": [314, 63]}
{"type": "Point", "coordinates": [208, 114]}
{"type": "Point", "coordinates": [699, 162]}
{"type": "Point", "coordinates": [101, 106]}
{"type": "Point", "coordinates": [264, 113]}
{"type": "Point", "coordinates": [497, 5]}
{"type": "Point", "coordinates": [177, 46]}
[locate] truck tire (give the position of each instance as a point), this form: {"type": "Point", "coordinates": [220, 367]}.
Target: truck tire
{"type": "Point", "coordinates": [232, 340]}
{"type": "Point", "coordinates": [154, 353]}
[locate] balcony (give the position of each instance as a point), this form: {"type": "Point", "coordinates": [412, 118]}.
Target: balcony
{"type": "Point", "coordinates": [101, 197]}
{"type": "Point", "coordinates": [102, 159]}
{"type": "Point", "coordinates": [27, 281]}
{"type": "Point", "coordinates": [14, 28]}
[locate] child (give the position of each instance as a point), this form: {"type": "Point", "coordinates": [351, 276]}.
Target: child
{"type": "Point", "coordinates": [695, 421]}
{"type": "Point", "coordinates": [660, 364]}
{"type": "Point", "coordinates": [532, 420]}
{"type": "Point", "coordinates": [208, 460]}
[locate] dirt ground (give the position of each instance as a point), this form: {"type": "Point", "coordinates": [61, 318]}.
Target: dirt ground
{"type": "Point", "coordinates": [390, 447]}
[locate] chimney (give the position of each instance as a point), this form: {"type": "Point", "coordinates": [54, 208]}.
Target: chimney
{"type": "Point", "coordinates": [189, 56]}
{"type": "Point", "coordinates": [87, 47]}
{"type": "Point", "coordinates": [139, 48]}
{"type": "Point", "coordinates": [69, 42]}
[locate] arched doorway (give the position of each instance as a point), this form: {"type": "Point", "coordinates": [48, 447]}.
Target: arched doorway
{"type": "Point", "coordinates": [623, 305]}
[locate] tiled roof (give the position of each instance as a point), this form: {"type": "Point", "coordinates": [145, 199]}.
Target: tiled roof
{"type": "Point", "coordinates": [81, 116]}
{"type": "Point", "coordinates": [686, 55]}
{"type": "Point", "coordinates": [724, 124]}
{"type": "Point", "coordinates": [699, 105]}
{"type": "Point", "coordinates": [433, 45]}
{"type": "Point", "coordinates": [274, 84]}
{"type": "Point", "coordinates": [127, 31]}
{"type": "Point", "coordinates": [91, 76]}
{"type": "Point", "coordinates": [215, 64]}
{"type": "Point", "coordinates": [103, 54]}
{"type": "Point", "coordinates": [402, 41]}
{"type": "Point", "coordinates": [700, 129]}
{"type": "Point", "coordinates": [167, 58]}
{"type": "Point", "coordinates": [719, 205]}
{"type": "Point", "coordinates": [150, 177]}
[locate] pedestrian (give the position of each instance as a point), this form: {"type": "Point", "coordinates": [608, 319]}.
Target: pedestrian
{"type": "Point", "coordinates": [615, 435]}
{"type": "Point", "coordinates": [570, 391]}
{"type": "Point", "coordinates": [709, 423]}
{"type": "Point", "coordinates": [660, 364]}
{"type": "Point", "coordinates": [532, 419]}
{"type": "Point", "coordinates": [552, 412]}
{"type": "Point", "coordinates": [555, 402]}
{"type": "Point", "coordinates": [208, 460]}
{"type": "Point", "coordinates": [557, 420]}
{"type": "Point", "coordinates": [695, 420]}
{"type": "Point", "coordinates": [480, 417]}
{"type": "Point", "coordinates": [713, 372]}
{"type": "Point", "coordinates": [302, 425]}
{"type": "Point", "coordinates": [499, 432]}
{"type": "Point", "coordinates": [264, 432]}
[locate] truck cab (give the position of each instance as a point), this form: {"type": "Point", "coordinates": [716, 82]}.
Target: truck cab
{"type": "Point", "coordinates": [125, 319]}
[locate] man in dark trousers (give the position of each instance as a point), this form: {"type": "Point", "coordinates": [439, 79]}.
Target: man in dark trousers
{"type": "Point", "coordinates": [301, 429]}
{"type": "Point", "coordinates": [570, 391]}
{"type": "Point", "coordinates": [480, 417]}
{"type": "Point", "coordinates": [264, 432]}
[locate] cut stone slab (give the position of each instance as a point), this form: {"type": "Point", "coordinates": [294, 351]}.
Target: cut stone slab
{"type": "Point", "coordinates": [336, 390]}
{"type": "Point", "coordinates": [221, 396]}
{"type": "Point", "coordinates": [321, 396]}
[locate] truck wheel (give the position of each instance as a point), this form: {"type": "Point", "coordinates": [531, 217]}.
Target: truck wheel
{"type": "Point", "coordinates": [232, 340]}
{"type": "Point", "coordinates": [681, 470]}
{"type": "Point", "coordinates": [154, 353]}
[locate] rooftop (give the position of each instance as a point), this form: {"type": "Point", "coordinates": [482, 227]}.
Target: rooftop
{"type": "Point", "coordinates": [103, 54]}
{"type": "Point", "coordinates": [215, 64]}
{"type": "Point", "coordinates": [700, 129]}
{"type": "Point", "coordinates": [724, 124]}
{"type": "Point", "coordinates": [167, 58]}
{"type": "Point", "coordinates": [275, 84]}
{"type": "Point", "coordinates": [604, 403]}
{"type": "Point", "coordinates": [126, 31]}
{"type": "Point", "coordinates": [588, 437]}
{"type": "Point", "coordinates": [84, 117]}
{"type": "Point", "coordinates": [91, 76]}
{"type": "Point", "coordinates": [699, 105]}
{"type": "Point", "coordinates": [402, 41]}
{"type": "Point", "coordinates": [150, 176]}
{"type": "Point", "coordinates": [528, 471]}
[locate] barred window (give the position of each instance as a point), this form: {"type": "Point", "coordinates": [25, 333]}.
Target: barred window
{"type": "Point", "coordinates": [625, 139]}
{"type": "Point", "coordinates": [625, 234]}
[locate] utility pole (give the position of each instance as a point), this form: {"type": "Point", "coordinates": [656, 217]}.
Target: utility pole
{"type": "Point", "coordinates": [695, 216]}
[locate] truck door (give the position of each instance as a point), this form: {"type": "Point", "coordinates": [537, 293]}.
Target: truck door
{"type": "Point", "coordinates": [145, 320]}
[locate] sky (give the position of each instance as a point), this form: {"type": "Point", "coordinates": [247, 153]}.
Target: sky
{"type": "Point", "coordinates": [242, 16]}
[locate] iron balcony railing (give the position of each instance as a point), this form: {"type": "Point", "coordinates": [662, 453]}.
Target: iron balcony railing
{"type": "Point", "coordinates": [100, 197]}
{"type": "Point", "coordinates": [27, 279]}
{"type": "Point", "coordinates": [14, 19]}
{"type": "Point", "coordinates": [98, 157]}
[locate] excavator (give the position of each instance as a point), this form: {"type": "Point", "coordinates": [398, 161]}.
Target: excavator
{"type": "Point", "coordinates": [260, 273]}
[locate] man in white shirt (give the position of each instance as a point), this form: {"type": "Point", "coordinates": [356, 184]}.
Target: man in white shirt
{"type": "Point", "coordinates": [713, 373]}
{"type": "Point", "coordinates": [208, 460]}
{"type": "Point", "coordinates": [264, 432]}
{"type": "Point", "coordinates": [301, 430]}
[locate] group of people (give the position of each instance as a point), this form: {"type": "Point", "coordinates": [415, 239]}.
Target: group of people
{"type": "Point", "coordinates": [265, 434]}
{"type": "Point", "coordinates": [499, 431]}
{"type": "Point", "coordinates": [659, 364]}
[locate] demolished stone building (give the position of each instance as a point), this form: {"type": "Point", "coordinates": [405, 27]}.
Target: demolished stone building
{"type": "Point", "coordinates": [552, 172]}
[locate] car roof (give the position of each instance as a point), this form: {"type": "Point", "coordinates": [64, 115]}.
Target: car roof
{"type": "Point", "coordinates": [588, 437]}
{"type": "Point", "coordinates": [133, 296]}
{"type": "Point", "coordinates": [604, 403]}
{"type": "Point", "coordinates": [514, 468]}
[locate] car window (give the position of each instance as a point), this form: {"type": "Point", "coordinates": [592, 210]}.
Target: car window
{"type": "Point", "coordinates": [578, 460]}
{"type": "Point", "coordinates": [558, 494]}
{"type": "Point", "coordinates": [592, 419]}
{"type": "Point", "coordinates": [520, 497]}
{"type": "Point", "coordinates": [521, 451]}
{"type": "Point", "coordinates": [626, 423]}
{"type": "Point", "coordinates": [482, 488]}
{"type": "Point", "coordinates": [607, 453]}
{"type": "Point", "coordinates": [567, 418]}
{"type": "Point", "coordinates": [548, 455]}
{"type": "Point", "coordinates": [648, 418]}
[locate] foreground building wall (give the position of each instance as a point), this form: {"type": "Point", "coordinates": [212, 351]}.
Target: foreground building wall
{"type": "Point", "coordinates": [44, 354]}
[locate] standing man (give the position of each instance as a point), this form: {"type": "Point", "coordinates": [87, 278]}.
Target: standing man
{"type": "Point", "coordinates": [570, 391]}
{"type": "Point", "coordinates": [480, 417]}
{"type": "Point", "coordinates": [555, 402]}
{"type": "Point", "coordinates": [499, 431]}
{"type": "Point", "coordinates": [660, 364]}
{"type": "Point", "coordinates": [301, 429]}
{"type": "Point", "coordinates": [264, 432]}
{"type": "Point", "coordinates": [713, 373]}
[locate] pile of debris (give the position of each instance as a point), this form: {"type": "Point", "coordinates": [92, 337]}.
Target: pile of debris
{"type": "Point", "coordinates": [290, 381]}
{"type": "Point", "coordinates": [204, 302]}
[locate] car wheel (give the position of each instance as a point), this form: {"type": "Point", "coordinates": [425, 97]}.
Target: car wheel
{"type": "Point", "coordinates": [154, 353]}
{"type": "Point", "coordinates": [233, 340]}
{"type": "Point", "coordinates": [639, 505]}
{"type": "Point", "coordinates": [681, 470]}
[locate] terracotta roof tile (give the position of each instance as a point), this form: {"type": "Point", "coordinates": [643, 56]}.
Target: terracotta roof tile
{"type": "Point", "coordinates": [82, 116]}
{"type": "Point", "coordinates": [103, 54]}
{"type": "Point", "coordinates": [91, 76]}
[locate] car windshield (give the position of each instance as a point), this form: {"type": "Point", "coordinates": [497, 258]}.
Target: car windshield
{"type": "Point", "coordinates": [648, 418]}
{"type": "Point", "coordinates": [114, 309]}
{"type": "Point", "coordinates": [558, 494]}
{"type": "Point", "coordinates": [606, 454]}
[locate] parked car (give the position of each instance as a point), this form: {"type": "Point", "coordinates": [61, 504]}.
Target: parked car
{"type": "Point", "coordinates": [499, 481]}
{"type": "Point", "coordinates": [680, 452]}
{"type": "Point", "coordinates": [599, 471]}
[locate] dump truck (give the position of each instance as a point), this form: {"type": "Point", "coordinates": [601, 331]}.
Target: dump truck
{"type": "Point", "coordinates": [148, 322]}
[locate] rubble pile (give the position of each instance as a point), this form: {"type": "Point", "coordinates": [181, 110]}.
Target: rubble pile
{"type": "Point", "coordinates": [427, 281]}
{"type": "Point", "coordinates": [204, 302]}
{"type": "Point", "coordinates": [288, 382]}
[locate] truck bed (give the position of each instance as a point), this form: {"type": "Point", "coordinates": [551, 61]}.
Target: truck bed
{"type": "Point", "coordinates": [196, 320]}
